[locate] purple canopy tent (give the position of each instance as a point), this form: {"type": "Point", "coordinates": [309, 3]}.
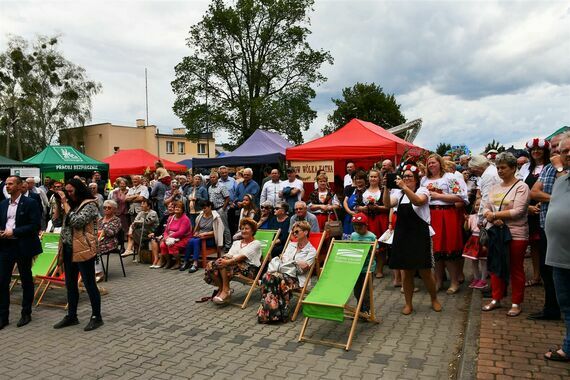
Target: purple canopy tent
{"type": "Point", "coordinates": [262, 147]}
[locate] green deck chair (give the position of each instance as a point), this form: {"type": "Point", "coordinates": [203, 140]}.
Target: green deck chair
{"type": "Point", "coordinates": [268, 238]}
{"type": "Point", "coordinates": [328, 299]}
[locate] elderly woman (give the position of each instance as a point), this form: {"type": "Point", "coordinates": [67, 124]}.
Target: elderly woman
{"type": "Point", "coordinates": [411, 248]}
{"type": "Point", "coordinates": [194, 194]}
{"type": "Point", "coordinates": [445, 191]}
{"type": "Point", "coordinates": [323, 203]}
{"type": "Point", "coordinates": [539, 150]}
{"type": "Point", "coordinates": [244, 258]}
{"type": "Point", "coordinates": [108, 227]}
{"type": "Point", "coordinates": [284, 274]}
{"type": "Point", "coordinates": [119, 195]}
{"type": "Point", "coordinates": [173, 194]}
{"type": "Point", "coordinates": [156, 236]}
{"type": "Point", "coordinates": [266, 216]}
{"type": "Point", "coordinates": [508, 207]}
{"type": "Point", "coordinates": [176, 234]}
{"type": "Point", "coordinates": [210, 227]}
{"type": "Point", "coordinates": [144, 224]}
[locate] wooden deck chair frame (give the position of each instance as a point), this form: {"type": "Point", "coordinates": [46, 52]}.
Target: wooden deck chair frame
{"type": "Point", "coordinates": [49, 281]}
{"type": "Point", "coordinates": [48, 271]}
{"type": "Point", "coordinates": [350, 312]}
{"type": "Point", "coordinates": [303, 291]}
{"type": "Point", "coordinates": [255, 282]}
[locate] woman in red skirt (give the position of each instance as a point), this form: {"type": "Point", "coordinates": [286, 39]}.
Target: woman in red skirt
{"type": "Point", "coordinates": [323, 202]}
{"type": "Point", "coordinates": [445, 191]}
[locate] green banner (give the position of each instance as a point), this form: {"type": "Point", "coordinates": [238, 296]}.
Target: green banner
{"type": "Point", "coordinates": [265, 237]}
{"type": "Point", "coordinates": [336, 282]}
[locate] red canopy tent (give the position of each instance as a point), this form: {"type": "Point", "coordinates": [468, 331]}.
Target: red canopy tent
{"type": "Point", "coordinates": [136, 161]}
{"type": "Point", "coordinates": [360, 141]}
{"type": "Point", "coordinates": [357, 140]}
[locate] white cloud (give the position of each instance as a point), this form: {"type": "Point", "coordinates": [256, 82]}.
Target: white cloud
{"type": "Point", "coordinates": [472, 70]}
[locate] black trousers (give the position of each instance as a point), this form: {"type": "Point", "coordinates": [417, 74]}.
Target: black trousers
{"type": "Point", "coordinates": [8, 257]}
{"type": "Point", "coordinates": [551, 307]}
{"type": "Point", "coordinates": [87, 270]}
{"type": "Point", "coordinates": [358, 289]}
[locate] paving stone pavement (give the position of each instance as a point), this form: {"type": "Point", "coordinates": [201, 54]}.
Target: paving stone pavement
{"type": "Point", "coordinates": [154, 329]}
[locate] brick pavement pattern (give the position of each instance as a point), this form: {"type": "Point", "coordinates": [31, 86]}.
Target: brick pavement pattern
{"type": "Point", "coordinates": [155, 330]}
{"type": "Point", "coordinates": [513, 348]}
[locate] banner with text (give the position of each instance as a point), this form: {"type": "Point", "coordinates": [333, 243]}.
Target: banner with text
{"type": "Point", "coordinates": [307, 170]}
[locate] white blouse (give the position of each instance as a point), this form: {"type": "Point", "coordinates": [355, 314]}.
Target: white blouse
{"type": "Point", "coordinates": [252, 251]}
{"type": "Point", "coordinates": [421, 211]}
{"type": "Point", "coordinates": [448, 184]}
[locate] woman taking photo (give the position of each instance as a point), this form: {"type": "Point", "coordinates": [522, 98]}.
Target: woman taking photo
{"type": "Point", "coordinates": [508, 206]}
{"type": "Point", "coordinates": [445, 191]}
{"type": "Point", "coordinates": [285, 274]}
{"type": "Point", "coordinates": [411, 246]}
{"type": "Point", "coordinates": [175, 237]}
{"type": "Point", "coordinates": [210, 227]}
{"type": "Point", "coordinates": [78, 250]}
{"type": "Point", "coordinates": [322, 202]}
{"type": "Point", "coordinates": [243, 258]}
{"type": "Point", "coordinates": [539, 150]}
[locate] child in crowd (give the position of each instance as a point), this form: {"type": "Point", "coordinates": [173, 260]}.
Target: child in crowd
{"type": "Point", "coordinates": [361, 233]}
{"type": "Point", "coordinates": [474, 251]}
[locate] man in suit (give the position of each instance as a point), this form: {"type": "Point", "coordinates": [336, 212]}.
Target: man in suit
{"type": "Point", "coordinates": [20, 222]}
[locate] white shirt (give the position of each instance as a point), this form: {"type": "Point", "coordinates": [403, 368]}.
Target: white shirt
{"type": "Point", "coordinates": [270, 192]}
{"type": "Point", "coordinates": [251, 251]}
{"type": "Point", "coordinates": [306, 254]}
{"type": "Point", "coordinates": [11, 215]}
{"type": "Point", "coordinates": [448, 184]}
{"type": "Point", "coordinates": [347, 180]}
{"type": "Point", "coordinates": [298, 184]}
{"type": "Point", "coordinates": [141, 190]}
{"type": "Point", "coordinates": [489, 178]}
{"type": "Point", "coordinates": [421, 211]}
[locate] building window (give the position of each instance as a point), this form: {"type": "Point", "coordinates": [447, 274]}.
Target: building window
{"type": "Point", "coordinates": [201, 148]}
{"type": "Point", "coordinates": [170, 147]}
{"type": "Point", "coordinates": [181, 147]}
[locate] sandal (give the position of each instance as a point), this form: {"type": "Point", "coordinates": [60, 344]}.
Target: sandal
{"type": "Point", "coordinates": [555, 356]}
{"type": "Point", "coordinates": [436, 306]}
{"type": "Point", "coordinates": [514, 311]}
{"type": "Point", "coordinates": [491, 306]}
{"type": "Point", "coordinates": [379, 275]}
{"type": "Point", "coordinates": [530, 283]}
{"type": "Point", "coordinates": [452, 291]}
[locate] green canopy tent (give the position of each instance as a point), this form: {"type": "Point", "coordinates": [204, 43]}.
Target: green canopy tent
{"type": "Point", "coordinates": [9, 166]}
{"type": "Point", "coordinates": [6, 162]}
{"type": "Point", "coordinates": [60, 161]}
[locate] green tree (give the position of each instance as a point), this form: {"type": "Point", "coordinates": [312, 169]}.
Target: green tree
{"type": "Point", "coordinates": [41, 92]}
{"type": "Point", "coordinates": [366, 101]}
{"type": "Point", "coordinates": [442, 148]}
{"type": "Point", "coordinates": [251, 67]}
{"type": "Point", "coordinates": [495, 145]}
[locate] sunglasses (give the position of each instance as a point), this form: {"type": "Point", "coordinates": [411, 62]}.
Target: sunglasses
{"type": "Point", "coordinates": [278, 208]}
{"type": "Point", "coordinates": [296, 232]}
{"type": "Point", "coordinates": [265, 208]}
{"type": "Point", "coordinates": [107, 207]}
{"type": "Point", "coordinates": [408, 176]}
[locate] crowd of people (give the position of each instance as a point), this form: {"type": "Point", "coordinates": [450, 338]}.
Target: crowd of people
{"type": "Point", "coordinates": [430, 217]}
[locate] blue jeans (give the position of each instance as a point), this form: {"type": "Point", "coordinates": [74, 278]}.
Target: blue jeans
{"type": "Point", "coordinates": [194, 247]}
{"type": "Point", "coordinates": [562, 286]}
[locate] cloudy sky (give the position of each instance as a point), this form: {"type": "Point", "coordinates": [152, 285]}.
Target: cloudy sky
{"type": "Point", "coordinates": [472, 70]}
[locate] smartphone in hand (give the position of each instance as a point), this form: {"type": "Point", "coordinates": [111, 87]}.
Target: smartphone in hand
{"type": "Point", "coordinates": [391, 180]}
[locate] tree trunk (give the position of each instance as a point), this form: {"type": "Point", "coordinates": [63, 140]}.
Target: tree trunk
{"type": "Point", "coordinates": [18, 142]}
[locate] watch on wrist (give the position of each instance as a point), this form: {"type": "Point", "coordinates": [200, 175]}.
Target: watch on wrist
{"type": "Point", "coordinates": [559, 170]}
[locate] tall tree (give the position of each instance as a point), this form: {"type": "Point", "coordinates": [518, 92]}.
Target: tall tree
{"type": "Point", "coordinates": [442, 148]}
{"type": "Point", "coordinates": [251, 67]}
{"type": "Point", "coordinates": [495, 145]}
{"type": "Point", "coordinates": [41, 92]}
{"type": "Point", "coordinates": [366, 101]}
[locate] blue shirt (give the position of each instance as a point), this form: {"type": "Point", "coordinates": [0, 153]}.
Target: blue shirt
{"type": "Point", "coordinates": [547, 178]}
{"type": "Point", "coordinates": [251, 188]}
{"type": "Point", "coordinates": [230, 184]}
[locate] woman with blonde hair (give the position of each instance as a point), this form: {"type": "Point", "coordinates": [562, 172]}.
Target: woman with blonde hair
{"type": "Point", "coordinates": [323, 202]}
{"type": "Point", "coordinates": [445, 191]}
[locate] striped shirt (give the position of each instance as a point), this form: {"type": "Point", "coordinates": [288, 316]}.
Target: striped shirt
{"type": "Point", "coordinates": [547, 178]}
{"type": "Point", "coordinates": [218, 194]}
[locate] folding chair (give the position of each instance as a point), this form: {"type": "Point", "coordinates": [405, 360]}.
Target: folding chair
{"type": "Point", "coordinates": [44, 263]}
{"type": "Point", "coordinates": [328, 299]}
{"type": "Point", "coordinates": [317, 240]}
{"type": "Point", "coordinates": [57, 279]}
{"type": "Point", "coordinates": [119, 250]}
{"type": "Point", "coordinates": [267, 238]}
{"type": "Point", "coordinates": [207, 252]}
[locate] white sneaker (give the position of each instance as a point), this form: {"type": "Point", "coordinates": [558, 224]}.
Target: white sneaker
{"type": "Point", "coordinates": [127, 253]}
